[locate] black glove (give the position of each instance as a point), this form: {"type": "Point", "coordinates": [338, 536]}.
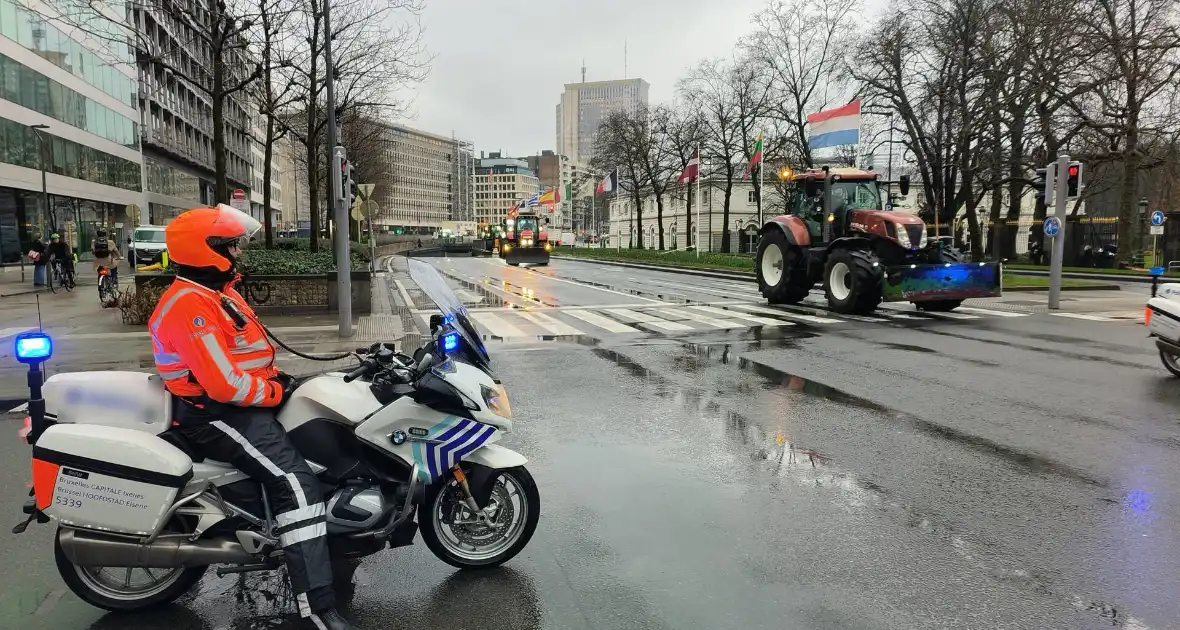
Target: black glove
{"type": "Point", "coordinates": [286, 382]}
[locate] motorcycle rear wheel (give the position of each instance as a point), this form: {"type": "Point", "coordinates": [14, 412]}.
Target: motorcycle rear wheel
{"type": "Point", "coordinates": [447, 542]}
{"type": "Point", "coordinates": [111, 588]}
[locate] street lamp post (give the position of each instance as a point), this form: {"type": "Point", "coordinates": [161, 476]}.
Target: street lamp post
{"type": "Point", "coordinates": [37, 129]}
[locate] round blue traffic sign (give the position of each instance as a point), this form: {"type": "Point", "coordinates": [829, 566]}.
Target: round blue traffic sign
{"type": "Point", "coordinates": [1157, 217]}
{"type": "Point", "coordinates": [1052, 226]}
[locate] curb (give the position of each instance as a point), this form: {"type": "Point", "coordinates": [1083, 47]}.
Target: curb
{"type": "Point", "coordinates": [1096, 287]}
{"type": "Point", "coordinates": [1109, 277]}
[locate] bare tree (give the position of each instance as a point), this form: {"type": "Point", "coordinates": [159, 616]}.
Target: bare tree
{"type": "Point", "coordinates": [371, 61]}
{"type": "Point", "coordinates": [685, 135]}
{"type": "Point", "coordinates": [799, 44]}
{"type": "Point", "coordinates": [621, 143]}
{"type": "Point", "coordinates": [1136, 45]}
{"type": "Point", "coordinates": [211, 56]}
{"type": "Point", "coordinates": [272, 95]}
{"type": "Point", "coordinates": [708, 89]}
{"type": "Point", "coordinates": [657, 158]}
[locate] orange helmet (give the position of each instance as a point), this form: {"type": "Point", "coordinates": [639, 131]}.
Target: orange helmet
{"type": "Point", "coordinates": [201, 236]}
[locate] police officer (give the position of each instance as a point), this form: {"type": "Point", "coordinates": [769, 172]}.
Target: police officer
{"type": "Point", "coordinates": [215, 359]}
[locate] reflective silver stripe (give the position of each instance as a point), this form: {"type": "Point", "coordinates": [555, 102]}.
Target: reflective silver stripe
{"type": "Point", "coordinates": [252, 452]}
{"type": "Point", "coordinates": [259, 395]}
{"type": "Point", "coordinates": [169, 375]}
{"type": "Point", "coordinates": [168, 306]}
{"type": "Point", "coordinates": [254, 347]}
{"type": "Point", "coordinates": [237, 379]}
{"type": "Point", "coordinates": [166, 357]}
{"type": "Point", "coordinates": [305, 611]}
{"type": "Point", "coordinates": [300, 514]}
{"type": "Point", "coordinates": [303, 534]}
{"type": "Point", "coordinates": [251, 364]}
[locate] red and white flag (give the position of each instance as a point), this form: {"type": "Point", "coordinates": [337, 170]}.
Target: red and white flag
{"type": "Point", "coordinates": [692, 169]}
{"type": "Point", "coordinates": [609, 184]}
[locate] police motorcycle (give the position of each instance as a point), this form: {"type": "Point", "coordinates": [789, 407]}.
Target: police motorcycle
{"type": "Point", "coordinates": [1163, 323]}
{"type": "Point", "coordinates": [401, 444]}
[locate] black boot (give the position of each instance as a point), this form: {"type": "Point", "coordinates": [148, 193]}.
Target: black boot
{"type": "Point", "coordinates": [331, 620]}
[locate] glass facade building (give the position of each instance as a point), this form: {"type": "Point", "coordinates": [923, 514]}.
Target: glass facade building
{"type": "Point", "coordinates": [68, 118]}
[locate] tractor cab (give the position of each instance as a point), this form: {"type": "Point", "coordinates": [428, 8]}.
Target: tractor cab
{"type": "Point", "coordinates": [845, 190]}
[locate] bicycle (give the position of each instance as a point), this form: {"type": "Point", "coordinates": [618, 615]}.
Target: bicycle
{"type": "Point", "coordinates": [108, 285]}
{"type": "Point", "coordinates": [60, 277]}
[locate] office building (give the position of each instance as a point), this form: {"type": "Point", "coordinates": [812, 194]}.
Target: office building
{"type": "Point", "coordinates": [501, 182]}
{"type": "Point", "coordinates": [584, 105]}
{"type": "Point", "coordinates": [177, 123]}
{"type": "Point", "coordinates": [69, 107]}
{"type": "Point", "coordinates": [427, 179]}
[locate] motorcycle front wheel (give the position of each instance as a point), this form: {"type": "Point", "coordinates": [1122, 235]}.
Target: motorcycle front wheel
{"type": "Point", "coordinates": [459, 538]}
{"type": "Point", "coordinates": [125, 589]}
{"type": "Point", "coordinates": [1171, 361]}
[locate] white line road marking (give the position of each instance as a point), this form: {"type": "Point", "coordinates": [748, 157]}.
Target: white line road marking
{"type": "Point", "coordinates": [1086, 316]}
{"type": "Point", "coordinates": [585, 286]}
{"type": "Point", "coordinates": [765, 321]}
{"type": "Point", "coordinates": [548, 323]}
{"type": "Point", "coordinates": [719, 292]}
{"type": "Point", "coordinates": [788, 314]}
{"type": "Point", "coordinates": [984, 311]}
{"type": "Point", "coordinates": [928, 314]}
{"type": "Point", "coordinates": [650, 320]}
{"type": "Point", "coordinates": [605, 323]}
{"type": "Point", "coordinates": [497, 326]}
{"type": "Point", "coordinates": [716, 323]}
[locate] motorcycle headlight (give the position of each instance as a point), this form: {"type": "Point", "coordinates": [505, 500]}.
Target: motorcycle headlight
{"type": "Point", "coordinates": [496, 398]}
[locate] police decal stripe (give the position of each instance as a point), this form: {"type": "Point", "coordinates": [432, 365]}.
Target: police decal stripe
{"type": "Point", "coordinates": [446, 443]}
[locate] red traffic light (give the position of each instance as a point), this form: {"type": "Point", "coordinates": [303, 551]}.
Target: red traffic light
{"type": "Point", "coordinates": [1073, 170]}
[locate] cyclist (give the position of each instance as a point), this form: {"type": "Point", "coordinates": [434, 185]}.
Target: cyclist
{"type": "Point", "coordinates": [105, 255]}
{"type": "Point", "coordinates": [61, 252]}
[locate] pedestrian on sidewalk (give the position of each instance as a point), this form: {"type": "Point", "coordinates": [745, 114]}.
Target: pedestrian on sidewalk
{"type": "Point", "coordinates": [38, 257]}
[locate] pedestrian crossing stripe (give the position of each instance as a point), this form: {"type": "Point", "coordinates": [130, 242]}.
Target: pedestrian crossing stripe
{"type": "Point", "coordinates": [765, 321]}
{"type": "Point", "coordinates": [604, 323]}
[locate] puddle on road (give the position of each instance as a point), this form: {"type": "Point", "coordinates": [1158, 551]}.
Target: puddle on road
{"type": "Point", "coordinates": [777, 456]}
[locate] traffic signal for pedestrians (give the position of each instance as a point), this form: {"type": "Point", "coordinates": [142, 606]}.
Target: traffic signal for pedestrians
{"type": "Point", "coordinates": [340, 172]}
{"type": "Point", "coordinates": [1074, 179]}
{"type": "Point", "coordinates": [351, 187]}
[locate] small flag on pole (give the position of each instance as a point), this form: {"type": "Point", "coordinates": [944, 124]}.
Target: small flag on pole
{"type": "Point", "coordinates": [692, 169]}
{"type": "Point", "coordinates": [835, 127]}
{"type": "Point", "coordinates": [756, 159]}
{"type": "Point", "coordinates": [609, 184]}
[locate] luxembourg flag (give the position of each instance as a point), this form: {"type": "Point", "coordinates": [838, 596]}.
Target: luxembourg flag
{"type": "Point", "coordinates": [835, 127]}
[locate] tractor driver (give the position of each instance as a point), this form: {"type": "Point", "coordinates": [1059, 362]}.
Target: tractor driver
{"type": "Point", "coordinates": [839, 210]}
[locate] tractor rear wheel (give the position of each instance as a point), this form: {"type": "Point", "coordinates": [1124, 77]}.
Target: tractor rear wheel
{"type": "Point", "coordinates": [782, 276]}
{"type": "Point", "coordinates": [945, 255]}
{"type": "Point", "coordinates": [853, 281]}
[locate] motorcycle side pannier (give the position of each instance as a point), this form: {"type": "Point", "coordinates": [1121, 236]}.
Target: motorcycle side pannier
{"type": "Point", "coordinates": [107, 478]}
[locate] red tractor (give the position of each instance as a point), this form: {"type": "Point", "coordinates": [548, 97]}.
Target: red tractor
{"type": "Point", "coordinates": [836, 232]}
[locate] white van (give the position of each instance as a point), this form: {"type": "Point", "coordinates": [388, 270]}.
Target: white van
{"type": "Point", "coordinates": [147, 245]}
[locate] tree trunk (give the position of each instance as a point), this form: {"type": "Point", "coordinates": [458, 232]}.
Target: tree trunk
{"type": "Point", "coordinates": [688, 235]}
{"type": "Point", "coordinates": [637, 225]}
{"type": "Point", "coordinates": [220, 159]}
{"type": "Point", "coordinates": [1015, 188]}
{"type": "Point", "coordinates": [1129, 227]}
{"type": "Point", "coordinates": [660, 217]}
{"type": "Point", "coordinates": [725, 212]}
{"type": "Point", "coordinates": [269, 140]}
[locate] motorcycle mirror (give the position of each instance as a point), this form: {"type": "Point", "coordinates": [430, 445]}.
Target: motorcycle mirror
{"type": "Point", "coordinates": [903, 183]}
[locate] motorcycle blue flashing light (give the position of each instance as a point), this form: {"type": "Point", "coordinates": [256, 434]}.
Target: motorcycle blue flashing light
{"type": "Point", "coordinates": [33, 347]}
{"type": "Point", "coordinates": [450, 341]}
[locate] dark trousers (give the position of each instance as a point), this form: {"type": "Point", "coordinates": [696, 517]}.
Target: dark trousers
{"type": "Point", "coordinates": [253, 441]}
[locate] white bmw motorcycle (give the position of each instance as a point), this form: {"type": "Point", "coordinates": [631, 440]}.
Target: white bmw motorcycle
{"type": "Point", "coordinates": [140, 518]}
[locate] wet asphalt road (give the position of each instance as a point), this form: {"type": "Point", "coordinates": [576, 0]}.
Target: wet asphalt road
{"type": "Point", "coordinates": [998, 472]}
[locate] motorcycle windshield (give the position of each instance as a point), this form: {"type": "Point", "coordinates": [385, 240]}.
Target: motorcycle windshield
{"type": "Point", "coordinates": [435, 287]}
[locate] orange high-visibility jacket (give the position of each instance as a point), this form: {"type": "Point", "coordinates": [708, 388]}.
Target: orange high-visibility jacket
{"type": "Point", "coordinates": [198, 349]}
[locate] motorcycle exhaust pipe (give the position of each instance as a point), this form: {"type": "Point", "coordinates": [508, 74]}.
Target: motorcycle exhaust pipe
{"type": "Point", "coordinates": [84, 548]}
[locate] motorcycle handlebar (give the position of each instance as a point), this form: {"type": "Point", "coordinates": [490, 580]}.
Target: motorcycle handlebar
{"type": "Point", "coordinates": [363, 369]}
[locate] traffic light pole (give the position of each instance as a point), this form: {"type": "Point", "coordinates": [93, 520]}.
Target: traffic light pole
{"type": "Point", "coordinates": [1060, 198]}
{"type": "Point", "coordinates": [343, 264]}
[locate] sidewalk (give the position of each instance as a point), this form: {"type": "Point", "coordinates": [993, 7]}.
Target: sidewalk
{"type": "Point", "coordinates": [13, 282]}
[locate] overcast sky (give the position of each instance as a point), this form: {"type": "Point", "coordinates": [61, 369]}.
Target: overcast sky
{"type": "Point", "coordinates": [500, 67]}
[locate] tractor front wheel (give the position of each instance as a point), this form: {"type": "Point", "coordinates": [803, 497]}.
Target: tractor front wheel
{"type": "Point", "coordinates": [782, 276]}
{"type": "Point", "coordinates": [853, 281]}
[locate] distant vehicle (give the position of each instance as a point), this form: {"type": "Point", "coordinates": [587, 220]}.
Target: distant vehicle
{"type": "Point", "coordinates": [147, 245]}
{"type": "Point", "coordinates": [836, 232]}
{"type": "Point", "coordinates": [525, 240]}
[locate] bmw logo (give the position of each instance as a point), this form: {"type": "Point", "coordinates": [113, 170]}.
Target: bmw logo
{"type": "Point", "coordinates": [398, 438]}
